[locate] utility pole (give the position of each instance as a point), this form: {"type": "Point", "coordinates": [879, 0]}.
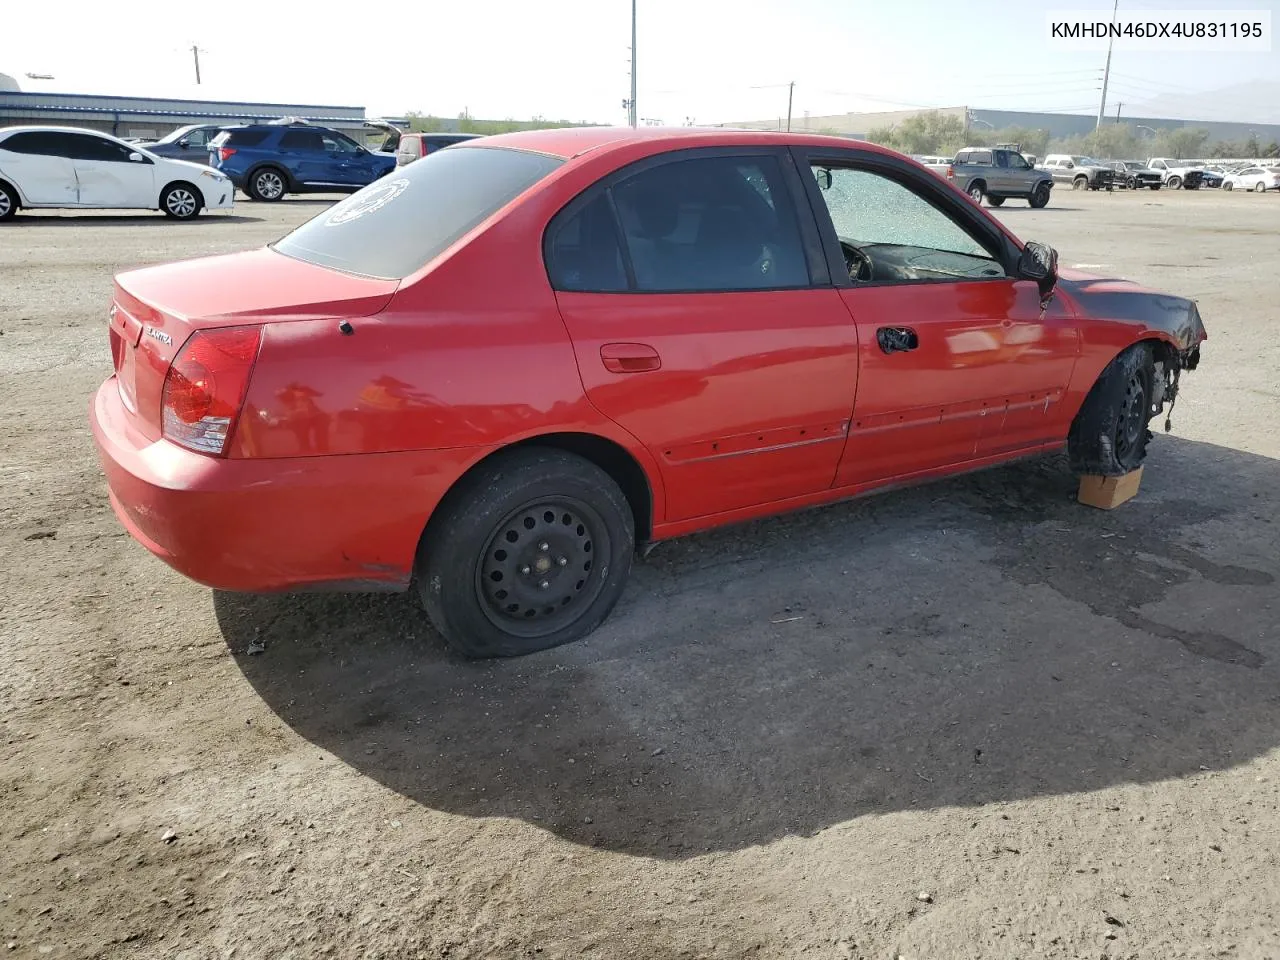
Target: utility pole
{"type": "Point", "coordinates": [1106, 73]}
{"type": "Point", "coordinates": [791, 91]}
{"type": "Point", "coordinates": [1118, 106]}
{"type": "Point", "coordinates": [195, 52]}
{"type": "Point", "coordinates": [632, 115]}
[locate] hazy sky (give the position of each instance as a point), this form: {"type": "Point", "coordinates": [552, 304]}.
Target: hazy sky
{"type": "Point", "coordinates": [710, 60]}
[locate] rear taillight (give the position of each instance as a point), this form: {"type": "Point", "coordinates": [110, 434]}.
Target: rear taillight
{"type": "Point", "coordinates": [224, 154]}
{"type": "Point", "coordinates": [951, 172]}
{"type": "Point", "coordinates": [205, 387]}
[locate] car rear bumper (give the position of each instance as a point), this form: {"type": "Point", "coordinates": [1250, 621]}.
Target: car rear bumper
{"type": "Point", "coordinates": [334, 522]}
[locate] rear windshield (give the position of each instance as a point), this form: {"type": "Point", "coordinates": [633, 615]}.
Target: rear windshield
{"type": "Point", "coordinates": [239, 138]}
{"type": "Point", "coordinates": [398, 224]}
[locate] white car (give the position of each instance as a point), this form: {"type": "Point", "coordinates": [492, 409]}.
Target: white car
{"type": "Point", "coordinates": [84, 169]}
{"type": "Point", "coordinates": [1252, 178]}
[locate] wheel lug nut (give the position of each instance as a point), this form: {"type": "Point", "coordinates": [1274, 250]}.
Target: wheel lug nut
{"type": "Point", "coordinates": [563, 561]}
{"type": "Point", "coordinates": [545, 584]}
{"type": "Point", "coordinates": [525, 570]}
{"type": "Point", "coordinates": [544, 546]}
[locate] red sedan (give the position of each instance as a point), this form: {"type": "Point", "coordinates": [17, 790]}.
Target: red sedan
{"type": "Point", "coordinates": [492, 373]}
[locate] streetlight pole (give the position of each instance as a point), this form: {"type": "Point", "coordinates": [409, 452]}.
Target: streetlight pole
{"type": "Point", "coordinates": [633, 63]}
{"type": "Point", "coordinates": [791, 91]}
{"type": "Point", "coordinates": [1106, 73]}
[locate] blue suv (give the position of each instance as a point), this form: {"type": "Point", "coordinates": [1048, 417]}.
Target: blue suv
{"type": "Point", "coordinates": [267, 161]}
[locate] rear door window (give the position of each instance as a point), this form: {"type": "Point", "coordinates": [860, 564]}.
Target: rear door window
{"type": "Point", "coordinates": [301, 140]}
{"type": "Point", "coordinates": [45, 143]}
{"type": "Point", "coordinates": [583, 250]}
{"type": "Point", "coordinates": [711, 224]}
{"type": "Point", "coordinates": [400, 223]}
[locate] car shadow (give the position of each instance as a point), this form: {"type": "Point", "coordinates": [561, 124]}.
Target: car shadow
{"type": "Point", "coordinates": [1022, 206]}
{"type": "Point", "coordinates": [978, 640]}
{"type": "Point", "coordinates": [123, 220]}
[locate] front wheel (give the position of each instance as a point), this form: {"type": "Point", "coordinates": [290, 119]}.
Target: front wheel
{"type": "Point", "coordinates": [1109, 435]}
{"type": "Point", "coordinates": [1131, 183]}
{"type": "Point", "coordinates": [1080, 183]}
{"type": "Point", "coordinates": [1228, 185]}
{"type": "Point", "coordinates": [995, 201]}
{"type": "Point", "coordinates": [1039, 197]}
{"type": "Point", "coordinates": [1174, 183]}
{"type": "Point", "coordinates": [181, 201]}
{"type": "Point", "coordinates": [533, 552]}
{"type": "Point", "coordinates": [1259, 187]}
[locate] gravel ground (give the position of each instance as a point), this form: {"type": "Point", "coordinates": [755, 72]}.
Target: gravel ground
{"type": "Point", "coordinates": [973, 719]}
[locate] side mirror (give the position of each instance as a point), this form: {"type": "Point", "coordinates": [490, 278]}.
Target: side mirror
{"type": "Point", "coordinates": [1039, 262]}
{"type": "Point", "coordinates": [823, 176]}
{"type": "Point", "coordinates": [136, 157]}
{"type": "Point", "coordinates": [184, 144]}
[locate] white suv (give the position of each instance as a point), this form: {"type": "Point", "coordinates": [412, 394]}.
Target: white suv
{"type": "Point", "coordinates": [84, 169]}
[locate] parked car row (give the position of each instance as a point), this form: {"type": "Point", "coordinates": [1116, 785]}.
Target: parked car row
{"type": "Point", "coordinates": [196, 167]}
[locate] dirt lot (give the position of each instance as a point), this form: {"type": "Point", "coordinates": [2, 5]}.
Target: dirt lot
{"type": "Point", "coordinates": [969, 720]}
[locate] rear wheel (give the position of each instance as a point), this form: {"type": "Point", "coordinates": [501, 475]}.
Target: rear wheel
{"type": "Point", "coordinates": [181, 201]}
{"type": "Point", "coordinates": [995, 201]}
{"type": "Point", "coordinates": [977, 190]}
{"type": "Point", "coordinates": [1109, 435]}
{"type": "Point", "coordinates": [1039, 197]}
{"type": "Point", "coordinates": [533, 552]}
{"type": "Point", "coordinates": [8, 202]}
{"type": "Point", "coordinates": [266, 184]}
{"type": "Point", "coordinates": [1259, 187]}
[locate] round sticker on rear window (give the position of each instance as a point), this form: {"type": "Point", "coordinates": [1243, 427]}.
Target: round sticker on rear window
{"type": "Point", "coordinates": [371, 199]}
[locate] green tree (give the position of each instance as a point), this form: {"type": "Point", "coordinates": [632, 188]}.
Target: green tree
{"type": "Point", "coordinates": [1182, 143]}
{"type": "Point", "coordinates": [1112, 141]}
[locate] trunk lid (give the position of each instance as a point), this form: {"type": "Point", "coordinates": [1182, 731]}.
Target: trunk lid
{"type": "Point", "coordinates": [156, 309]}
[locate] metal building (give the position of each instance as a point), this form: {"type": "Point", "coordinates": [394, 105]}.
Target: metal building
{"type": "Point", "coordinates": [154, 116]}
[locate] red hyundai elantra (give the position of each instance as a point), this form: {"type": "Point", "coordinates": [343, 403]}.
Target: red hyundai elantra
{"type": "Point", "coordinates": [493, 372]}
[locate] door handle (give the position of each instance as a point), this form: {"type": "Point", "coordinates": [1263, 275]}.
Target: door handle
{"type": "Point", "coordinates": [897, 339]}
{"type": "Point", "coordinates": [629, 357]}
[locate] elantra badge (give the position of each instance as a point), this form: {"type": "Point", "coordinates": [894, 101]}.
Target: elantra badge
{"type": "Point", "coordinates": [160, 335]}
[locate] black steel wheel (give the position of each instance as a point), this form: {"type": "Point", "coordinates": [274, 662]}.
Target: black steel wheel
{"type": "Point", "coordinates": [1109, 435]}
{"type": "Point", "coordinates": [530, 551]}
{"type": "Point", "coordinates": [1039, 198]}
{"type": "Point", "coordinates": [534, 576]}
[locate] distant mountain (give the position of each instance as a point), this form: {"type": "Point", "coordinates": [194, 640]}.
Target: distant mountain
{"type": "Point", "coordinates": [1257, 101]}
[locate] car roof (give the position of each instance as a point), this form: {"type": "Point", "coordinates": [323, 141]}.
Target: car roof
{"type": "Point", "coordinates": [570, 142]}
{"type": "Point", "coordinates": [37, 128]}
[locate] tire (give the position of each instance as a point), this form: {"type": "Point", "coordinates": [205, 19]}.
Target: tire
{"type": "Point", "coordinates": [1173, 183]}
{"type": "Point", "coordinates": [977, 190]}
{"type": "Point", "coordinates": [181, 201]}
{"type": "Point", "coordinates": [1080, 183]}
{"type": "Point", "coordinates": [995, 201]}
{"type": "Point", "coordinates": [267, 184]}
{"type": "Point", "coordinates": [1228, 186]}
{"type": "Point", "coordinates": [480, 570]}
{"type": "Point", "coordinates": [1109, 435]}
{"type": "Point", "coordinates": [1259, 187]}
{"type": "Point", "coordinates": [8, 202]}
{"type": "Point", "coordinates": [1040, 197]}
{"type": "Point", "coordinates": [1131, 183]}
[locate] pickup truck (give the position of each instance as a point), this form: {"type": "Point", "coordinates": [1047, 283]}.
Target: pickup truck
{"type": "Point", "coordinates": [998, 175]}
{"type": "Point", "coordinates": [1083, 173]}
{"type": "Point", "coordinates": [1175, 173]}
{"type": "Point", "coordinates": [1132, 175]}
